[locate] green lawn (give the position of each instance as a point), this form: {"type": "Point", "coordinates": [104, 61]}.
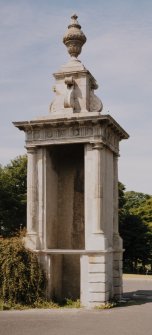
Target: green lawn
{"type": "Point", "coordinates": [130, 276]}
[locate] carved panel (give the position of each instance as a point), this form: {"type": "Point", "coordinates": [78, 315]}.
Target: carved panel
{"type": "Point", "coordinates": [53, 133]}
{"type": "Point", "coordinates": [36, 134]}
{"type": "Point", "coordinates": [49, 133]}
{"type": "Point", "coordinates": [112, 138]}
{"type": "Point", "coordinates": [90, 133]}
{"type": "Point", "coordinates": [29, 135]}
{"type": "Point", "coordinates": [76, 131]}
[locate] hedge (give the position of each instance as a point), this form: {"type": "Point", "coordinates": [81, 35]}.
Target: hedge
{"type": "Point", "coordinates": [22, 280]}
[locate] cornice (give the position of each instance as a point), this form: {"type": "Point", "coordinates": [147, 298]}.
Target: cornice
{"type": "Point", "coordinates": [105, 120]}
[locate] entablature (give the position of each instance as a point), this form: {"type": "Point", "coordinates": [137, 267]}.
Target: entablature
{"type": "Point", "coordinates": [103, 129]}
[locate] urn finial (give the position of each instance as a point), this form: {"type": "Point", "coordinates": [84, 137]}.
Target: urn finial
{"type": "Point", "coordinates": [74, 37]}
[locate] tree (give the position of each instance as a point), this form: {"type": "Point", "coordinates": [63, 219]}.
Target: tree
{"type": "Point", "coordinates": [135, 199]}
{"type": "Point", "coordinates": [122, 201]}
{"type": "Point", "coordinates": [13, 196]}
{"type": "Point", "coordinates": [137, 242]}
{"type": "Point", "coordinates": [135, 218]}
{"type": "Point", "coordinates": [144, 210]}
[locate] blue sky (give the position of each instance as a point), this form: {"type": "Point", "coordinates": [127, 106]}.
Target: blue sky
{"type": "Point", "coordinates": [118, 53]}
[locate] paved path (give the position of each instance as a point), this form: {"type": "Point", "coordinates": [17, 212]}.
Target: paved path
{"type": "Point", "coordinates": [131, 320]}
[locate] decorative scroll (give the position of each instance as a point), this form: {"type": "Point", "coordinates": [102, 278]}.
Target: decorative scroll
{"type": "Point", "coordinates": [95, 103]}
{"type": "Point", "coordinates": [69, 94]}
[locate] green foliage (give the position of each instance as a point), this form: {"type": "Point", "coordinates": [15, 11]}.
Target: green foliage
{"type": "Point", "coordinates": [121, 194]}
{"type": "Point", "coordinates": [107, 305]}
{"type": "Point", "coordinates": [135, 199]}
{"type": "Point", "coordinates": [135, 221]}
{"type": "Point", "coordinates": [122, 201]}
{"type": "Point", "coordinates": [69, 303]}
{"type": "Point", "coordinates": [22, 281]}
{"type": "Point", "coordinates": [13, 196]}
{"type": "Point", "coordinates": [144, 211]}
{"type": "Point", "coordinates": [137, 241]}
{"type": "Point", "coordinates": [43, 303]}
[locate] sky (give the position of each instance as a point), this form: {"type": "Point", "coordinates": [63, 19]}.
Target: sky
{"type": "Point", "coordinates": [118, 53]}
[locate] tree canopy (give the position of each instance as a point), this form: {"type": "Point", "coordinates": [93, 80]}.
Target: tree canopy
{"type": "Point", "coordinates": [135, 199]}
{"type": "Point", "coordinates": [13, 196]}
{"type": "Point", "coordinates": [135, 221]}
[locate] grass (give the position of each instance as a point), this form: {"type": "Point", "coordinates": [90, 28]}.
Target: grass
{"type": "Point", "coordinates": [44, 304]}
{"type": "Point", "coordinates": [132, 275]}
{"type": "Point", "coordinates": [69, 303]}
{"type": "Point", "coordinates": [108, 305]}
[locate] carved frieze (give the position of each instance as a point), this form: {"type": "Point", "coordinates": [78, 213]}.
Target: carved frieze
{"type": "Point", "coordinates": [36, 135]}
{"type": "Point", "coordinates": [73, 133]}
{"type": "Point", "coordinates": [54, 133]}
{"type": "Point", "coordinates": [111, 137]}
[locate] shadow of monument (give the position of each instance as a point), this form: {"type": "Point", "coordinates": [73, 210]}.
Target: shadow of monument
{"type": "Point", "coordinates": [138, 297]}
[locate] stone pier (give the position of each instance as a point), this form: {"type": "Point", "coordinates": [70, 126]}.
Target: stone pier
{"type": "Point", "coordinates": [72, 186]}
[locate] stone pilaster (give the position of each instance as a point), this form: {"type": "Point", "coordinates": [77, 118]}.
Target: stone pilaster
{"type": "Point", "coordinates": [115, 194]}
{"type": "Point", "coordinates": [117, 241]}
{"type": "Point", "coordinates": [94, 213]}
{"type": "Point", "coordinates": [98, 155]}
{"type": "Point", "coordinates": [41, 170]}
{"type": "Point", "coordinates": [31, 238]}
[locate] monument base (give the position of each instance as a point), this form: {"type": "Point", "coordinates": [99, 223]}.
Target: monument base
{"type": "Point", "coordinates": [89, 275]}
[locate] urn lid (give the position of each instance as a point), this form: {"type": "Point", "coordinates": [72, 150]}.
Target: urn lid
{"type": "Point", "coordinates": [74, 37]}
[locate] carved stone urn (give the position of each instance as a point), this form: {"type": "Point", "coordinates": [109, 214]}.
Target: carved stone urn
{"type": "Point", "coordinates": [74, 38]}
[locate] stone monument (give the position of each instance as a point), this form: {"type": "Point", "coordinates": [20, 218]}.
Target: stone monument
{"type": "Point", "coordinates": [72, 186]}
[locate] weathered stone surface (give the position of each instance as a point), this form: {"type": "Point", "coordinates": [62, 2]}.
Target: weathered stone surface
{"type": "Point", "coordinates": [74, 37]}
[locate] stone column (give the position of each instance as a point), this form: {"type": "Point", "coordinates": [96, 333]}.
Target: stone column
{"type": "Point", "coordinates": [98, 162]}
{"type": "Point", "coordinates": [96, 267]}
{"type": "Point", "coordinates": [115, 194]}
{"type": "Point", "coordinates": [31, 238]}
{"type": "Point", "coordinates": [94, 207]}
{"type": "Point", "coordinates": [117, 241]}
{"type": "Point", "coordinates": [41, 171]}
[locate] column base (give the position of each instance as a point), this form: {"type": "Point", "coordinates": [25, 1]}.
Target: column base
{"type": "Point", "coordinates": [117, 241]}
{"type": "Point", "coordinates": [97, 241]}
{"type": "Point", "coordinates": [31, 241]}
{"type": "Point", "coordinates": [117, 274]}
{"type": "Point", "coordinates": [96, 286]}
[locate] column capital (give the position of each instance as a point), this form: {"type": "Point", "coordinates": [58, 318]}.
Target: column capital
{"type": "Point", "coordinates": [31, 149]}
{"type": "Point", "coordinates": [98, 145]}
{"type": "Point", "coordinates": [116, 155]}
